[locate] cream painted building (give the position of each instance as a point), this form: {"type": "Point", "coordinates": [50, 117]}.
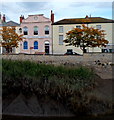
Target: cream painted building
{"type": "Point", "coordinates": [60, 28]}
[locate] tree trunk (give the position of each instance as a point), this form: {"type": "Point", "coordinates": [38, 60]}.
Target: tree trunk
{"type": "Point", "coordinates": [84, 50]}
{"type": "Point", "coordinates": [9, 49]}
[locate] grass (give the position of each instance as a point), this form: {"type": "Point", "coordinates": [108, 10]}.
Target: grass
{"type": "Point", "coordinates": [65, 84]}
{"type": "Point", "coordinates": [75, 77]}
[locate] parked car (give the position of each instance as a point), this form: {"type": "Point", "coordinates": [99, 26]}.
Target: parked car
{"type": "Point", "coordinates": [71, 53]}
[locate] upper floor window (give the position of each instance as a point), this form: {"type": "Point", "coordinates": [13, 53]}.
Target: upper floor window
{"type": "Point", "coordinates": [60, 39]}
{"type": "Point", "coordinates": [35, 45]}
{"type": "Point", "coordinates": [78, 26]}
{"type": "Point", "coordinates": [98, 26]}
{"type": "Point", "coordinates": [25, 45]}
{"type": "Point", "coordinates": [20, 30]}
{"type": "Point", "coordinates": [60, 29]}
{"type": "Point", "coordinates": [25, 31]}
{"type": "Point", "coordinates": [35, 30]}
{"type": "Point", "coordinates": [46, 29]}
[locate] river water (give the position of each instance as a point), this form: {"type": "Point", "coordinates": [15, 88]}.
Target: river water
{"type": "Point", "coordinates": [58, 118]}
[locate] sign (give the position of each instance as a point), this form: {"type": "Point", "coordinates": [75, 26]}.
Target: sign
{"type": "Point", "coordinates": [31, 47]}
{"type": "Point", "coordinates": [36, 36]}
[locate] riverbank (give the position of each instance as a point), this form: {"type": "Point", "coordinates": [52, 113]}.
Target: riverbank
{"type": "Point", "coordinates": [10, 117]}
{"type": "Point", "coordinates": [40, 89]}
{"type": "Point", "coordinates": [101, 62]}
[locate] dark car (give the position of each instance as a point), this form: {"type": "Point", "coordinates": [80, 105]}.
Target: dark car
{"type": "Point", "coordinates": [71, 53]}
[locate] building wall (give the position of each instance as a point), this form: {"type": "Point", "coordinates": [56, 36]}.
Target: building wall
{"type": "Point", "coordinates": [15, 50]}
{"type": "Point", "coordinates": [61, 49]}
{"type": "Point", "coordinates": [0, 39]}
{"type": "Point", "coordinates": [41, 38]}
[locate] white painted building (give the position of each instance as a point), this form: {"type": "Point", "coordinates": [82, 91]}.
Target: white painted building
{"type": "Point", "coordinates": [60, 28]}
{"type": "Point", "coordinates": [9, 24]}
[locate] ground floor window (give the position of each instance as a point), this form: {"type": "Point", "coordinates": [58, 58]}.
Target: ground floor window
{"type": "Point", "coordinates": [25, 45]}
{"type": "Point", "coordinates": [35, 45]}
{"type": "Point", "coordinates": [107, 50]}
{"type": "Point", "coordinates": [69, 51]}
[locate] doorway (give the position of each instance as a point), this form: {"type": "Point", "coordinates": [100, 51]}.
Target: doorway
{"type": "Point", "coordinates": [47, 48]}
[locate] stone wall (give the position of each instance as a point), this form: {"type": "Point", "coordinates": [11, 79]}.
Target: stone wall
{"type": "Point", "coordinates": [88, 57]}
{"type": "Point", "coordinates": [101, 62]}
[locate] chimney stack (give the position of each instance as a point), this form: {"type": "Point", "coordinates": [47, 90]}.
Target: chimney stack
{"type": "Point", "coordinates": [21, 18]}
{"type": "Point", "coordinates": [52, 17]}
{"type": "Point", "coordinates": [4, 18]}
{"type": "Point", "coordinates": [0, 16]}
{"type": "Point", "coordinates": [86, 16]}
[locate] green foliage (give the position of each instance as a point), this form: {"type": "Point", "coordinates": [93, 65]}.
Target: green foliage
{"type": "Point", "coordinates": [59, 82]}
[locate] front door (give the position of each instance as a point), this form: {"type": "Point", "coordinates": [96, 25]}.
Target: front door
{"type": "Point", "coordinates": [46, 49]}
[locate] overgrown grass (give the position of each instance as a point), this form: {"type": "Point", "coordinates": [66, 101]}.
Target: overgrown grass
{"type": "Point", "coordinates": [27, 68]}
{"type": "Point", "coordinates": [76, 77]}
{"type": "Point", "coordinates": [59, 82]}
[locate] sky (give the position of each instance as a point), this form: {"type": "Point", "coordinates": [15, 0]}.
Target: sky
{"type": "Point", "coordinates": [13, 9]}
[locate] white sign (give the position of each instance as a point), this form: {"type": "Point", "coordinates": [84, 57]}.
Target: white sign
{"type": "Point", "coordinates": [36, 36]}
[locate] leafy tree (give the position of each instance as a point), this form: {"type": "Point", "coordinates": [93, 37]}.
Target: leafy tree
{"type": "Point", "coordinates": [86, 37]}
{"type": "Point", "coordinates": [10, 38]}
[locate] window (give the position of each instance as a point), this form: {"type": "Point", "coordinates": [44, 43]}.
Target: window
{"type": "Point", "coordinates": [98, 26]}
{"type": "Point", "coordinates": [46, 30]}
{"type": "Point", "coordinates": [78, 26]}
{"type": "Point", "coordinates": [35, 45]}
{"type": "Point", "coordinates": [25, 46]}
{"type": "Point", "coordinates": [69, 51]}
{"type": "Point", "coordinates": [60, 29]}
{"type": "Point", "coordinates": [25, 30]}
{"type": "Point", "coordinates": [20, 30]}
{"type": "Point", "coordinates": [35, 17]}
{"type": "Point", "coordinates": [107, 50]}
{"type": "Point", "coordinates": [60, 39]}
{"type": "Point", "coordinates": [35, 30]}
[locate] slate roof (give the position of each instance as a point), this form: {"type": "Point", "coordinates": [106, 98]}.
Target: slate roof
{"type": "Point", "coordinates": [83, 20]}
{"type": "Point", "coordinates": [10, 23]}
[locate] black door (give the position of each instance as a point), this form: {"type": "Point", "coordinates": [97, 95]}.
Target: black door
{"type": "Point", "coordinates": [46, 49]}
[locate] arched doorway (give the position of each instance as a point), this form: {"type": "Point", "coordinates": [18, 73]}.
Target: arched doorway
{"type": "Point", "coordinates": [47, 47]}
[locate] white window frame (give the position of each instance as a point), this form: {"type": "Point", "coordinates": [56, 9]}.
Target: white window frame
{"type": "Point", "coordinates": [60, 40]}
{"type": "Point", "coordinates": [98, 27]}
{"type": "Point", "coordinates": [60, 29]}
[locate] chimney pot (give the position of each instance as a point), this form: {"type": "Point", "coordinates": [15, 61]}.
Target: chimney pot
{"type": "Point", "coordinates": [52, 16]}
{"type": "Point", "coordinates": [4, 18]}
{"type": "Point", "coordinates": [21, 18]}
{"type": "Point", "coordinates": [86, 16]}
{"type": "Point", "coordinates": [0, 16]}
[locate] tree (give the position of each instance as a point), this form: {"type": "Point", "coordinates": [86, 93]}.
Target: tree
{"type": "Point", "coordinates": [86, 37]}
{"type": "Point", "coordinates": [10, 38]}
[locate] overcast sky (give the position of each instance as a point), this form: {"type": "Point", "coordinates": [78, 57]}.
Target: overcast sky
{"type": "Point", "coordinates": [14, 8]}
